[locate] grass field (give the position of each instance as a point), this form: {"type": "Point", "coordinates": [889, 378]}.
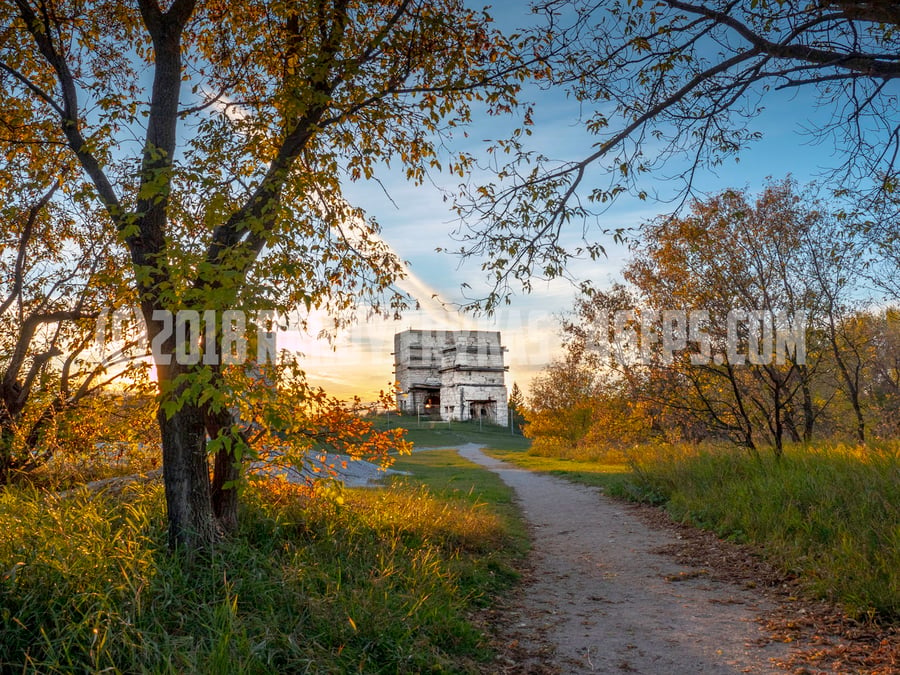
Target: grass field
{"type": "Point", "coordinates": [387, 580]}
{"type": "Point", "coordinates": [829, 513]}
{"type": "Point", "coordinates": [448, 476]}
{"type": "Point", "coordinates": [613, 478]}
{"type": "Point", "coordinates": [375, 581]}
{"type": "Point", "coordinates": [428, 434]}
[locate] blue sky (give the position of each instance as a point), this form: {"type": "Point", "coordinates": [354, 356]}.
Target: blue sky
{"type": "Point", "coordinates": [416, 220]}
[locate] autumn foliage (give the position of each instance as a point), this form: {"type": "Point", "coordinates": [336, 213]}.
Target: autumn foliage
{"type": "Point", "coordinates": [781, 251]}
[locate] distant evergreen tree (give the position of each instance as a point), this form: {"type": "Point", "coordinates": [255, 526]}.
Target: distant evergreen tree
{"type": "Point", "coordinates": [516, 406]}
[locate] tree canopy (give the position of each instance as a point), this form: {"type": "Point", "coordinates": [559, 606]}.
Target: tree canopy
{"type": "Point", "coordinates": [689, 350]}
{"type": "Point", "coordinates": [676, 87]}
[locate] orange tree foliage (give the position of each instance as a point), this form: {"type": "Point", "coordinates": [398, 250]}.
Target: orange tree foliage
{"type": "Point", "coordinates": [576, 410]}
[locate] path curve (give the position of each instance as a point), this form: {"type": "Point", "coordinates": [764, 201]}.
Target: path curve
{"type": "Point", "coordinates": [604, 596]}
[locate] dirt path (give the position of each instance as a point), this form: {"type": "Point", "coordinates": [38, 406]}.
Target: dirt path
{"type": "Point", "coordinates": [603, 596]}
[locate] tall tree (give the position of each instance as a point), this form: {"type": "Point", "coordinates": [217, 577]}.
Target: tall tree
{"type": "Point", "coordinates": [691, 349]}
{"type": "Point", "coordinates": [834, 267]}
{"type": "Point", "coordinates": [561, 405]}
{"type": "Point", "coordinates": [883, 379]}
{"type": "Point", "coordinates": [596, 401]}
{"type": "Point", "coordinates": [730, 254]}
{"type": "Point", "coordinates": [231, 149]}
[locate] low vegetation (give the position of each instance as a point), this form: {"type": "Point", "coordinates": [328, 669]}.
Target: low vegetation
{"type": "Point", "coordinates": [433, 433]}
{"type": "Point", "coordinates": [380, 580]}
{"type": "Point", "coordinates": [828, 513]}
{"type": "Point", "coordinates": [454, 479]}
{"type": "Point", "coordinates": [613, 476]}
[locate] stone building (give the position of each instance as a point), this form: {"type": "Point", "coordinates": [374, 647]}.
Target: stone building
{"type": "Point", "coordinates": [458, 374]}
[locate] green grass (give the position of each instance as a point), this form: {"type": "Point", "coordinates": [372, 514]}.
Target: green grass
{"type": "Point", "coordinates": [828, 514]}
{"type": "Point", "coordinates": [434, 434]}
{"type": "Point", "coordinates": [374, 581]}
{"type": "Point", "coordinates": [613, 478]}
{"type": "Point", "coordinates": [447, 475]}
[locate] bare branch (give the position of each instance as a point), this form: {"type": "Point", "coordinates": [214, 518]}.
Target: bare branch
{"type": "Point", "coordinates": [24, 241]}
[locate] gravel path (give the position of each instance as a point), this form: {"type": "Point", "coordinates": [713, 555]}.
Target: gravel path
{"type": "Point", "coordinates": [603, 598]}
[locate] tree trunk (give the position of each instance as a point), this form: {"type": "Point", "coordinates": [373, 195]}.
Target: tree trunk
{"type": "Point", "coordinates": [11, 405]}
{"type": "Point", "coordinates": [744, 422]}
{"type": "Point", "coordinates": [748, 442]}
{"type": "Point", "coordinates": [226, 465]}
{"type": "Point", "coordinates": [809, 417]}
{"type": "Point", "coordinates": [192, 526]}
{"type": "Point", "coordinates": [38, 426]}
{"type": "Point", "coordinates": [226, 472]}
{"type": "Point", "coordinates": [857, 410]}
{"type": "Point", "coordinates": [790, 425]}
{"type": "Point", "coordinates": [6, 457]}
{"type": "Point", "coordinates": [851, 381]}
{"type": "Point", "coordinates": [778, 427]}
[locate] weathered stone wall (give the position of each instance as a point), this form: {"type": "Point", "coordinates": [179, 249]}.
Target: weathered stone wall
{"type": "Point", "coordinates": [417, 363]}
{"type": "Point", "coordinates": [464, 368]}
